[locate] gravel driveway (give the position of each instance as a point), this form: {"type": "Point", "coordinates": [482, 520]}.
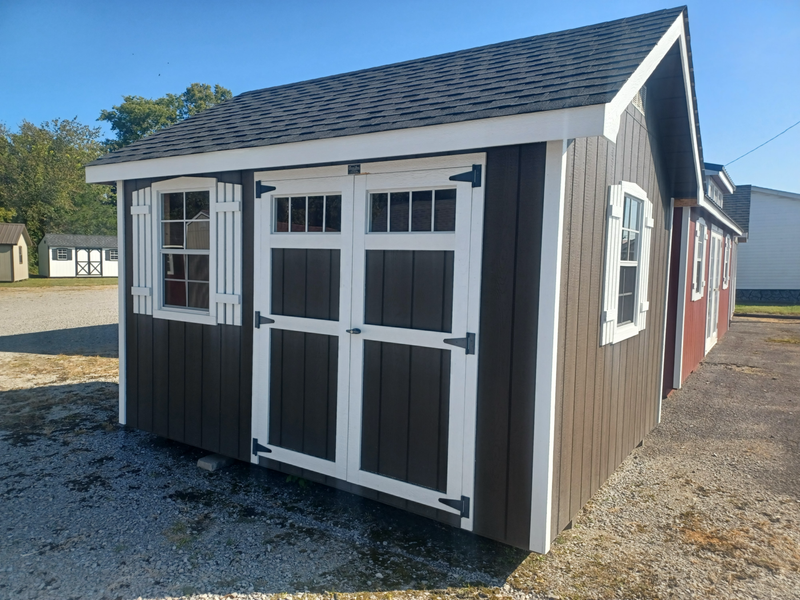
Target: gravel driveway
{"type": "Point", "coordinates": [708, 507]}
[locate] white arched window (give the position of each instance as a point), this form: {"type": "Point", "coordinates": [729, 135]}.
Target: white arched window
{"type": "Point", "coordinates": [699, 267]}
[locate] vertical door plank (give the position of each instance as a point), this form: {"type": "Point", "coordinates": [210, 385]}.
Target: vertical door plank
{"type": "Point", "coordinates": [371, 411]}
{"type": "Point", "coordinates": [428, 291]}
{"type": "Point", "coordinates": [293, 389]}
{"type": "Point", "coordinates": [318, 284]}
{"type": "Point", "coordinates": [397, 287]}
{"type": "Point", "coordinates": [423, 416]}
{"type": "Point", "coordinates": [393, 443]}
{"type": "Point", "coordinates": [335, 271]}
{"type": "Point", "coordinates": [277, 281]}
{"type": "Point", "coordinates": [276, 387]}
{"type": "Point", "coordinates": [315, 402]}
{"type": "Point", "coordinates": [373, 292]}
{"type": "Point", "coordinates": [294, 282]}
{"type": "Point", "coordinates": [333, 386]}
{"type": "Point", "coordinates": [444, 417]}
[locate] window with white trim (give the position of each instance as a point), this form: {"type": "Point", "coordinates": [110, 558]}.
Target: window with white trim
{"type": "Point", "coordinates": [113, 254]}
{"type": "Point", "coordinates": [699, 266]}
{"type": "Point", "coordinates": [627, 262]}
{"type": "Point", "coordinates": [187, 254]}
{"type": "Point", "coordinates": [726, 271]}
{"type": "Point", "coordinates": [62, 254]}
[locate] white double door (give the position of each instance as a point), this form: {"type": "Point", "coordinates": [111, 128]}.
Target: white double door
{"type": "Point", "coordinates": [714, 285]}
{"type": "Point", "coordinates": [88, 262]}
{"type": "Point", "coordinates": [365, 356]}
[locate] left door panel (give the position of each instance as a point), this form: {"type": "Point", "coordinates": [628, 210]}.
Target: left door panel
{"type": "Point", "coordinates": [301, 348]}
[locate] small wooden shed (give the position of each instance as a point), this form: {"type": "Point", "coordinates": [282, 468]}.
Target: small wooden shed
{"type": "Point", "coordinates": [68, 255]}
{"type": "Point", "coordinates": [440, 284]}
{"type": "Point", "coordinates": [14, 244]}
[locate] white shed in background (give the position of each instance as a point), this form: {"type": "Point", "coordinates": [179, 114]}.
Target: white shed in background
{"type": "Point", "coordinates": [768, 267]}
{"type": "Point", "coordinates": [66, 255]}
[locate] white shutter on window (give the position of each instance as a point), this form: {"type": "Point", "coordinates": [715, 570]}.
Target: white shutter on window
{"type": "Point", "coordinates": [142, 258]}
{"type": "Point", "coordinates": [228, 216]}
{"type": "Point", "coordinates": [644, 263]}
{"type": "Point", "coordinates": [616, 205]}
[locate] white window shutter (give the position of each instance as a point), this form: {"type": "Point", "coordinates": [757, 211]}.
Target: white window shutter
{"type": "Point", "coordinates": [142, 258]}
{"type": "Point", "coordinates": [644, 264]}
{"type": "Point", "coordinates": [228, 216]}
{"type": "Point", "coordinates": [616, 203]}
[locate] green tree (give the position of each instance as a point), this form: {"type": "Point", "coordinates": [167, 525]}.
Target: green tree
{"type": "Point", "coordinates": [42, 180]}
{"type": "Point", "coordinates": [137, 117]}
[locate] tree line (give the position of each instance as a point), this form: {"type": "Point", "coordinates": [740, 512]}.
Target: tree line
{"type": "Point", "coordinates": [42, 177]}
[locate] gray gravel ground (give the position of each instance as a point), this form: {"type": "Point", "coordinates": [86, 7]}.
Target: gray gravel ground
{"type": "Point", "coordinates": [708, 507]}
{"type": "Point", "coordinates": [59, 320]}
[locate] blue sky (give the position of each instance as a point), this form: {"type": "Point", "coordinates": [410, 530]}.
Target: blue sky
{"type": "Point", "coordinates": [62, 59]}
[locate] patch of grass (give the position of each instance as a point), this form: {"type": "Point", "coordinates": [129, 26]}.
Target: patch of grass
{"type": "Point", "coordinates": [38, 281]}
{"type": "Point", "coordinates": [768, 309]}
{"type": "Point", "coordinates": [785, 340]}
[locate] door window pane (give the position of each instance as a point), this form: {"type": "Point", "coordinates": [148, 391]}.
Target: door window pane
{"type": "Point", "coordinates": [333, 213]}
{"type": "Point", "coordinates": [445, 219]}
{"type": "Point", "coordinates": [316, 207]}
{"type": "Point", "coordinates": [281, 214]}
{"type": "Point", "coordinates": [298, 214]}
{"type": "Point", "coordinates": [422, 211]}
{"type": "Point", "coordinates": [398, 214]}
{"type": "Point", "coordinates": [379, 216]}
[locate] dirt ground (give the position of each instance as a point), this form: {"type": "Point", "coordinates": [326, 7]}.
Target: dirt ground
{"type": "Point", "coordinates": [708, 507]}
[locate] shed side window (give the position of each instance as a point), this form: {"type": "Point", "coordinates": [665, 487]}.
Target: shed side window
{"type": "Point", "coordinates": [185, 248]}
{"type": "Point", "coordinates": [699, 266]}
{"type": "Point", "coordinates": [112, 254]}
{"type": "Point", "coordinates": [62, 254]}
{"type": "Point", "coordinates": [627, 264]}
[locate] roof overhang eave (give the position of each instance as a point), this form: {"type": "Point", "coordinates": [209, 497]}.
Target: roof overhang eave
{"type": "Point", "coordinates": [528, 128]}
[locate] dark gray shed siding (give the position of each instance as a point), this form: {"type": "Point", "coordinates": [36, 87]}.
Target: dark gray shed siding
{"type": "Point", "coordinates": [187, 382]}
{"type": "Point", "coordinates": [512, 239]}
{"type": "Point", "coordinates": [607, 397]}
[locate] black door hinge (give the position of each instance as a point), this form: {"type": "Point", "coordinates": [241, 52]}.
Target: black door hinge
{"type": "Point", "coordinates": [473, 176]}
{"type": "Point", "coordinates": [259, 320]}
{"type": "Point", "coordinates": [467, 343]}
{"type": "Point", "coordinates": [460, 505]}
{"type": "Point", "coordinates": [259, 448]}
{"type": "Point", "coordinates": [263, 189]}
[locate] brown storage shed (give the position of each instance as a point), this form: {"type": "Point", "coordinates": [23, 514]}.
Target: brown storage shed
{"type": "Point", "coordinates": [440, 284]}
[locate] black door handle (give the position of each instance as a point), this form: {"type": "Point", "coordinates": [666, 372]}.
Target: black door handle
{"type": "Point", "coordinates": [356, 330]}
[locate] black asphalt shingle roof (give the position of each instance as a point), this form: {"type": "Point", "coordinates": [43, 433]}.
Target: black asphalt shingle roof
{"type": "Point", "coordinates": [567, 69]}
{"type": "Point", "coordinates": [737, 206]}
{"type": "Point", "coordinates": [68, 240]}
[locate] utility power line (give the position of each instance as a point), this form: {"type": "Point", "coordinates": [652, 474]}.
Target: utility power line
{"type": "Point", "coordinates": [764, 144]}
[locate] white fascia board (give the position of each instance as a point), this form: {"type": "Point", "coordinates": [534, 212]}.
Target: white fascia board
{"type": "Point", "coordinates": [584, 121]}
{"type": "Point", "coordinates": [122, 299]}
{"type": "Point", "coordinates": [717, 213]}
{"type": "Point", "coordinates": [627, 92]}
{"type": "Point", "coordinates": [726, 182]}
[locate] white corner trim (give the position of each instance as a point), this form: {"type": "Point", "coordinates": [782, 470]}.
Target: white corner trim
{"type": "Point", "coordinates": [122, 285]}
{"type": "Point", "coordinates": [625, 95]}
{"type": "Point", "coordinates": [584, 121]}
{"type": "Point", "coordinates": [547, 346]}
{"type": "Point", "coordinates": [680, 318]}
{"type": "Point", "coordinates": [670, 229]}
